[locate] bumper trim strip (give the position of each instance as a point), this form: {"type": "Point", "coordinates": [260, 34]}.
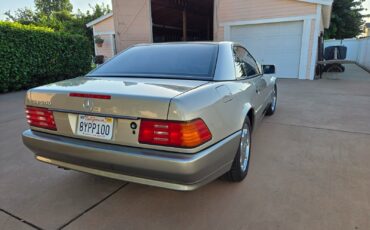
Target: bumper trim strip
{"type": "Point", "coordinates": [144, 181]}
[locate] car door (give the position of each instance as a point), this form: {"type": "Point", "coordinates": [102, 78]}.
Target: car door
{"type": "Point", "coordinates": [247, 70]}
{"type": "Point", "coordinates": [270, 80]}
{"type": "Point", "coordinates": [264, 83]}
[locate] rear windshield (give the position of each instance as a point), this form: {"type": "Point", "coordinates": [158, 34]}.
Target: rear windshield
{"type": "Point", "coordinates": [176, 61]}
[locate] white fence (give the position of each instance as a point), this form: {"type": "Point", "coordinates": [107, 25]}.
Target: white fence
{"type": "Point", "coordinates": [364, 53]}
{"type": "Point", "coordinates": [358, 50]}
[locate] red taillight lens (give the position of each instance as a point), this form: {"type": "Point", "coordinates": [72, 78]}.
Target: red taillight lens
{"type": "Point", "coordinates": [40, 117]}
{"type": "Point", "coordinates": [174, 133]}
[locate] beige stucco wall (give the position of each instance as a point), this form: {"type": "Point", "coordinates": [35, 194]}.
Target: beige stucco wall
{"type": "Point", "coordinates": [229, 11]}
{"type": "Point", "coordinates": [132, 22]}
{"type": "Point", "coordinates": [107, 50]}
{"type": "Point", "coordinates": [245, 10]}
{"type": "Point", "coordinates": [105, 26]}
{"type": "Point", "coordinates": [322, 24]}
{"type": "Point", "coordinates": [132, 18]}
{"type": "Point", "coordinates": [310, 49]}
{"type": "Point", "coordinates": [367, 32]}
{"type": "Point", "coordinates": [105, 30]}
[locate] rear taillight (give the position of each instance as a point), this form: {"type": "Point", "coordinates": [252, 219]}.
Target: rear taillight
{"type": "Point", "coordinates": [40, 117]}
{"type": "Point", "coordinates": [174, 133]}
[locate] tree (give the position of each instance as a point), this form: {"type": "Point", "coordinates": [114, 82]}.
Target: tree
{"type": "Point", "coordinates": [78, 23]}
{"type": "Point", "coordinates": [24, 16]}
{"type": "Point", "coordinates": [47, 7]}
{"type": "Point", "coordinates": [57, 15]}
{"type": "Point", "coordinates": [346, 20]}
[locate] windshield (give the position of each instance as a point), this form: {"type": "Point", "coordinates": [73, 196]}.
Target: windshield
{"type": "Point", "coordinates": [175, 61]}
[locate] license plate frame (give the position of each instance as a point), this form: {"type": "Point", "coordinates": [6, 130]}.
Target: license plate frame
{"type": "Point", "coordinates": [96, 127]}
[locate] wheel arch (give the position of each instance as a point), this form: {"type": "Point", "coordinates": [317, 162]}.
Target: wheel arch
{"type": "Point", "coordinates": [248, 112]}
{"type": "Point", "coordinates": [251, 117]}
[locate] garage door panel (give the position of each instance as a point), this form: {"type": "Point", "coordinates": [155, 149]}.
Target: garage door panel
{"type": "Point", "coordinates": [273, 43]}
{"type": "Point", "coordinates": [265, 44]}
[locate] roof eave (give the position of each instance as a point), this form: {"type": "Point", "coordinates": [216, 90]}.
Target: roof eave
{"type": "Point", "coordinates": [321, 2]}
{"type": "Point", "coordinates": [100, 19]}
{"type": "Point", "coordinates": [326, 10]}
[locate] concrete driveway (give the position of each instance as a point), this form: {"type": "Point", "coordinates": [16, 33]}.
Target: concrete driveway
{"type": "Point", "coordinates": [310, 169]}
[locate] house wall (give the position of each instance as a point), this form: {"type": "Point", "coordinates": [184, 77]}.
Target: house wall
{"type": "Point", "coordinates": [232, 10]}
{"type": "Point", "coordinates": [105, 30]}
{"type": "Point", "coordinates": [107, 50]}
{"type": "Point", "coordinates": [133, 25]}
{"type": "Point", "coordinates": [245, 10]}
{"type": "Point", "coordinates": [132, 18]}
{"type": "Point", "coordinates": [311, 46]}
{"type": "Point", "coordinates": [322, 24]}
{"type": "Point", "coordinates": [237, 12]}
{"type": "Point", "coordinates": [106, 26]}
{"type": "Point", "coordinates": [132, 22]}
{"type": "Point", "coordinates": [367, 32]}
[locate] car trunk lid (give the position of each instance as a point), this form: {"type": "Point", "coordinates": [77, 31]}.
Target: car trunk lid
{"type": "Point", "coordinates": [127, 97]}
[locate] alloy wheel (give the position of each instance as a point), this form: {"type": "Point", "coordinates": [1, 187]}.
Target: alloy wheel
{"type": "Point", "coordinates": [245, 147]}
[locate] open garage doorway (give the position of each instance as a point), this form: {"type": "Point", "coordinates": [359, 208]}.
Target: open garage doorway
{"type": "Point", "coordinates": [182, 20]}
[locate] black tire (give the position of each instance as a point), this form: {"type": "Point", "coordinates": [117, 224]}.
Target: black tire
{"type": "Point", "coordinates": [236, 173]}
{"type": "Point", "coordinates": [335, 68]}
{"type": "Point", "coordinates": [272, 107]}
{"type": "Point", "coordinates": [343, 68]}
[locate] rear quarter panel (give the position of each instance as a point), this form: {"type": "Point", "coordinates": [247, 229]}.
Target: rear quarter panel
{"type": "Point", "coordinates": [224, 103]}
{"type": "Point", "coordinates": [223, 111]}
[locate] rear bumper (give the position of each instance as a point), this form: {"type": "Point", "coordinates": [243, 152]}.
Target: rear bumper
{"type": "Point", "coordinates": [151, 167]}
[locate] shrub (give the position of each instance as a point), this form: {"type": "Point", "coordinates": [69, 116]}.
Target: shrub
{"type": "Point", "coordinates": [31, 56]}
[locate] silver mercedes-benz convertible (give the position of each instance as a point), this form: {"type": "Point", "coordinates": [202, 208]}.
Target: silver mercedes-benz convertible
{"type": "Point", "coordinates": [175, 115]}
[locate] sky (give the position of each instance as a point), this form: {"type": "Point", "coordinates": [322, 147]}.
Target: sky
{"type": "Point", "coordinates": [13, 5]}
{"type": "Point", "coordinates": [367, 5]}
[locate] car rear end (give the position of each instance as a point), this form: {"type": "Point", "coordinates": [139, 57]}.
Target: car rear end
{"type": "Point", "coordinates": [118, 127]}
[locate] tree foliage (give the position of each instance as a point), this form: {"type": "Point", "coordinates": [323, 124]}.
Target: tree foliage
{"type": "Point", "coordinates": [23, 16]}
{"type": "Point", "coordinates": [57, 15]}
{"type": "Point", "coordinates": [32, 56]}
{"type": "Point", "coordinates": [47, 7]}
{"type": "Point", "coordinates": [346, 20]}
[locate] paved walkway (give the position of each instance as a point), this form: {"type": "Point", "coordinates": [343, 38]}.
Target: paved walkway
{"type": "Point", "coordinates": [309, 170]}
{"type": "Point", "coordinates": [352, 72]}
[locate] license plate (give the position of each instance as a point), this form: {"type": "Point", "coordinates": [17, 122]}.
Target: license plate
{"type": "Point", "coordinates": [96, 127]}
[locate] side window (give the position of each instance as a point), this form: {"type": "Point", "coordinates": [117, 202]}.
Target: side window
{"type": "Point", "coordinates": [239, 63]}
{"type": "Point", "coordinates": [252, 66]}
{"type": "Point", "coordinates": [245, 65]}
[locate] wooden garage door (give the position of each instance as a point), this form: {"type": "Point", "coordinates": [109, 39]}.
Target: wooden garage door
{"type": "Point", "coordinates": [273, 43]}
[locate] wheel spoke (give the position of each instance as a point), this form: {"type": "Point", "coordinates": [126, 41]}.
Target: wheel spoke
{"type": "Point", "coordinates": [274, 99]}
{"type": "Point", "coordinates": [244, 148]}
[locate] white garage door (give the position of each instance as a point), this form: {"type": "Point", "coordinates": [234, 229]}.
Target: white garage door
{"type": "Point", "coordinates": [273, 43]}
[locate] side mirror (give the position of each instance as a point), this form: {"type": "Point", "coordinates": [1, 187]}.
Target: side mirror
{"type": "Point", "coordinates": [268, 69]}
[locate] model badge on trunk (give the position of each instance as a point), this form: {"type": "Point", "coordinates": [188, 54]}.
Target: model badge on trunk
{"type": "Point", "coordinates": [88, 105]}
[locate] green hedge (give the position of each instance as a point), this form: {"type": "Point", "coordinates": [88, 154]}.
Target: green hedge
{"type": "Point", "coordinates": [31, 56]}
